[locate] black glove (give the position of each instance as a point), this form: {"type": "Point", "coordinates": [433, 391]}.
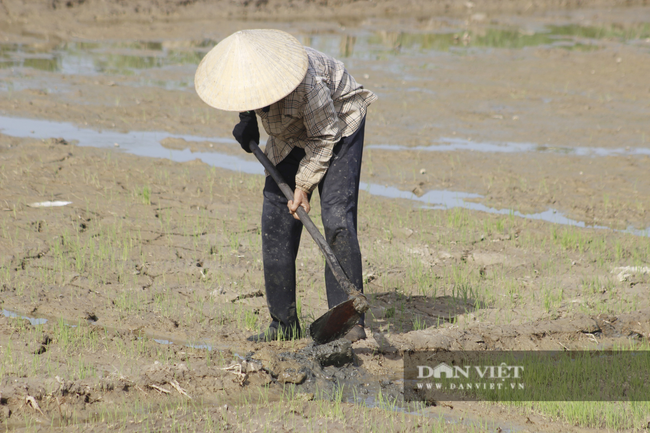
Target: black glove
{"type": "Point", "coordinates": [246, 130]}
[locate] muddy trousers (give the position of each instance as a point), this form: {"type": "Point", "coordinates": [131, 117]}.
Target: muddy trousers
{"type": "Point", "coordinates": [339, 195]}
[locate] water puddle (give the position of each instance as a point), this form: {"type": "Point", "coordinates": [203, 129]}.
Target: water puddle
{"type": "Point", "coordinates": [379, 45]}
{"type": "Point", "coordinates": [132, 57]}
{"type": "Point", "coordinates": [93, 58]}
{"type": "Point", "coordinates": [33, 320]}
{"type": "Point", "coordinates": [147, 143]}
{"type": "Point", "coordinates": [193, 345]}
{"type": "Point", "coordinates": [203, 346]}
{"type": "Point", "coordinates": [140, 143]}
{"type": "Point", "coordinates": [41, 319]}
{"type": "Point", "coordinates": [441, 199]}
{"type": "Point", "coordinates": [446, 144]}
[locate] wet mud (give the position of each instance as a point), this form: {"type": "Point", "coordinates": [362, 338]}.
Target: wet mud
{"type": "Point", "coordinates": [504, 206]}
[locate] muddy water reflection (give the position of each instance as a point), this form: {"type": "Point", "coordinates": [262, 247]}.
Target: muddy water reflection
{"type": "Point", "coordinates": [178, 58]}
{"type": "Point", "coordinates": [147, 143]}
{"type": "Point", "coordinates": [437, 199]}
{"type": "Point", "coordinates": [141, 143]}
{"type": "Point", "coordinates": [87, 58]}
{"type": "Point", "coordinates": [129, 57]}
{"type": "Point", "coordinates": [446, 144]}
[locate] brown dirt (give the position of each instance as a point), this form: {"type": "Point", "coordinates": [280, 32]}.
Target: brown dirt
{"type": "Point", "coordinates": [152, 252]}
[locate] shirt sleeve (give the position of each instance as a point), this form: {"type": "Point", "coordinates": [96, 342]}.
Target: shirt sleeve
{"type": "Point", "coordinates": [323, 132]}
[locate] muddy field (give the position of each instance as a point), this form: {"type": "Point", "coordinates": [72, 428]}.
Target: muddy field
{"type": "Point", "coordinates": [505, 205]}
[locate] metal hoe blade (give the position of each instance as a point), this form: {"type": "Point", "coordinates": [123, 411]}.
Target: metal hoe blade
{"type": "Point", "coordinates": [338, 321]}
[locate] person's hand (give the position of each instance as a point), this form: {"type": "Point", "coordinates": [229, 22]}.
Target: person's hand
{"type": "Point", "coordinates": [246, 130]}
{"type": "Point", "coordinates": [300, 199]}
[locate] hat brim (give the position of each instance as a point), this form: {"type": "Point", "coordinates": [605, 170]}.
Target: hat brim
{"type": "Point", "coordinates": [251, 69]}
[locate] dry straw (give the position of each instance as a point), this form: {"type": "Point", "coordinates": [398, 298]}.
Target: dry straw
{"type": "Point", "coordinates": [251, 69]}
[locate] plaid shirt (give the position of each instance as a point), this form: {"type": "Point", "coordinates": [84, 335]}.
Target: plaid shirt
{"type": "Point", "coordinates": [326, 106]}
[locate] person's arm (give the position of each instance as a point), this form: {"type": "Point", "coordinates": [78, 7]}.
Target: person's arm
{"type": "Point", "coordinates": [323, 131]}
{"type": "Point", "coordinates": [246, 130]}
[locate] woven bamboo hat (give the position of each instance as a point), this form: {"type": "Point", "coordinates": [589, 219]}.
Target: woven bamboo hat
{"type": "Point", "coordinates": [251, 69]}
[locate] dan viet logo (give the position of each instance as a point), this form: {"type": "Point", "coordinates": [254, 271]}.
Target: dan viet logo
{"type": "Point", "coordinates": [468, 377]}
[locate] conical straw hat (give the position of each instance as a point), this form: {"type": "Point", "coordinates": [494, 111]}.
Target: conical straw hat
{"type": "Point", "coordinates": [251, 69]}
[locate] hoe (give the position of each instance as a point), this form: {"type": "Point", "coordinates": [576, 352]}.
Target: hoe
{"type": "Point", "coordinates": [336, 322]}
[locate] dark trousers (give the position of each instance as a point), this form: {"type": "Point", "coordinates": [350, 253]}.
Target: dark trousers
{"type": "Point", "coordinates": [339, 194]}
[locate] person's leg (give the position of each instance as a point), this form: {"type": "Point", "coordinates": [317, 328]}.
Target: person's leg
{"type": "Point", "coordinates": [280, 242]}
{"type": "Point", "coordinates": [339, 192]}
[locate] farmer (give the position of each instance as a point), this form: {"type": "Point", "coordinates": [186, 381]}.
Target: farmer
{"type": "Point", "coordinates": [314, 113]}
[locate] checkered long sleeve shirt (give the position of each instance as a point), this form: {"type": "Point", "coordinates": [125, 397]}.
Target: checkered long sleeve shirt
{"type": "Point", "coordinates": [326, 106]}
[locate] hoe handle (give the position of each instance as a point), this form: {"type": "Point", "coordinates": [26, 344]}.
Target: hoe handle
{"type": "Point", "coordinates": [330, 258]}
